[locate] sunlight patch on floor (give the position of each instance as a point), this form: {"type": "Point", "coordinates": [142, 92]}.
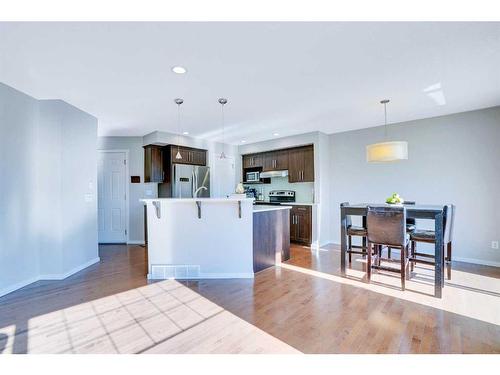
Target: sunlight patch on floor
{"type": "Point", "coordinates": [138, 320]}
{"type": "Point", "coordinates": [467, 294]}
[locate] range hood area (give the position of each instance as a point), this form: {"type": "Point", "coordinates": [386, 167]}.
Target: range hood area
{"type": "Point", "coordinates": [271, 174]}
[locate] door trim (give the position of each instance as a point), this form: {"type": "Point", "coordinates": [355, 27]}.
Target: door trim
{"type": "Point", "coordinates": [127, 188]}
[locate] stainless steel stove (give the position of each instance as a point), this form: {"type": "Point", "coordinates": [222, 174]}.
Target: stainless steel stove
{"type": "Point", "coordinates": [281, 196]}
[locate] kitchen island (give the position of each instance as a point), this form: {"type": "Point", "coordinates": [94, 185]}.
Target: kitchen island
{"type": "Point", "coordinates": [206, 238]}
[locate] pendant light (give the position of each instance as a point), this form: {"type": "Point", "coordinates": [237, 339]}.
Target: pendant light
{"type": "Point", "coordinates": [386, 151]}
{"type": "Point", "coordinates": [178, 101]}
{"type": "Point", "coordinates": [222, 102]}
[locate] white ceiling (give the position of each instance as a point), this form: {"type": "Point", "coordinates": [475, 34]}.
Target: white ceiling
{"type": "Point", "coordinates": [285, 78]}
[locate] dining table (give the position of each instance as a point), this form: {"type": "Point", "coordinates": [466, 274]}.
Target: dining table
{"type": "Point", "coordinates": [413, 211]}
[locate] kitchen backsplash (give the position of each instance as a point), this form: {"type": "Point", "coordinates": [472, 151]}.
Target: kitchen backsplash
{"type": "Point", "coordinates": [304, 191]}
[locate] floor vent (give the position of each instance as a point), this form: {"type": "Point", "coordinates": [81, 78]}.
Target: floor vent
{"type": "Point", "coordinates": [175, 271]}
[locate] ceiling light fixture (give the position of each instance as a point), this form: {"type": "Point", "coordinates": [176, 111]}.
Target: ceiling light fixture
{"type": "Point", "coordinates": [243, 141]}
{"type": "Point", "coordinates": [222, 102]}
{"type": "Point", "coordinates": [185, 133]}
{"type": "Point", "coordinates": [178, 101]}
{"type": "Point", "coordinates": [276, 134]}
{"type": "Point", "coordinates": [179, 70]}
{"type": "Point", "coordinates": [386, 151]}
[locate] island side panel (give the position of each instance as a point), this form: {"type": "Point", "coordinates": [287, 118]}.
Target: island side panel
{"type": "Point", "coordinates": [219, 243]}
{"type": "Point", "coordinates": [271, 238]}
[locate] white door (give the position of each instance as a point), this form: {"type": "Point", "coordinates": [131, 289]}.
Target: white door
{"type": "Point", "coordinates": [111, 195]}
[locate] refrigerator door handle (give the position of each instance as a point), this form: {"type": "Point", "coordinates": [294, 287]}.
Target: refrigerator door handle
{"type": "Point", "coordinates": [192, 184]}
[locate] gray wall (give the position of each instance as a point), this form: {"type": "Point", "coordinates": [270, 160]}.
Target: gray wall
{"type": "Point", "coordinates": [48, 215]}
{"type": "Point", "coordinates": [452, 159]}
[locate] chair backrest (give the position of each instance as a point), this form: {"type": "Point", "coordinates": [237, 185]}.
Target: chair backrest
{"type": "Point", "coordinates": [449, 219]}
{"type": "Point", "coordinates": [386, 225]}
{"type": "Point", "coordinates": [410, 221]}
{"type": "Point", "coordinates": [348, 218]}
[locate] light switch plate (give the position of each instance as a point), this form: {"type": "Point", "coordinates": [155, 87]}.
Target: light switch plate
{"type": "Point", "coordinates": [494, 244]}
{"type": "Point", "coordinates": [89, 197]}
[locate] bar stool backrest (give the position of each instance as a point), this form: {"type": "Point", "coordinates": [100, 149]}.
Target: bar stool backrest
{"type": "Point", "coordinates": [386, 225]}
{"type": "Point", "coordinates": [410, 221]}
{"type": "Point", "coordinates": [348, 218]}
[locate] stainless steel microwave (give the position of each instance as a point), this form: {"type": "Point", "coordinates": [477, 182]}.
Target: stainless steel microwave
{"type": "Point", "coordinates": [253, 177]}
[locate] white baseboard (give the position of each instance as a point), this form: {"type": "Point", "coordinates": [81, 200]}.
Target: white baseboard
{"type": "Point", "coordinates": [477, 261]}
{"type": "Point", "coordinates": [17, 286]}
{"type": "Point", "coordinates": [135, 243]}
{"type": "Point", "coordinates": [62, 276]}
{"type": "Point", "coordinates": [215, 276]}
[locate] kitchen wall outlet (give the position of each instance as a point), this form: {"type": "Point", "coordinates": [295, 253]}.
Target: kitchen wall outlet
{"type": "Point", "coordinates": [494, 244]}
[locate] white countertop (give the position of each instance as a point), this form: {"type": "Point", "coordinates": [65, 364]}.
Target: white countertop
{"type": "Point", "coordinates": [262, 207]}
{"type": "Point", "coordinates": [208, 200]}
{"type": "Point", "coordinates": [293, 203]}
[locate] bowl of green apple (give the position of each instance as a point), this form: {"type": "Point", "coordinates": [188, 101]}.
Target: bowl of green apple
{"type": "Point", "coordinates": [395, 199]}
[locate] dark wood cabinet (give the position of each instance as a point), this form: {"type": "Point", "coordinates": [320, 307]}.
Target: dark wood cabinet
{"type": "Point", "coordinates": [253, 161]}
{"type": "Point", "coordinates": [299, 161]}
{"type": "Point", "coordinates": [276, 160]}
{"type": "Point", "coordinates": [158, 162]}
{"type": "Point", "coordinates": [301, 164]}
{"type": "Point", "coordinates": [153, 164]}
{"type": "Point", "coordinates": [301, 224]}
{"type": "Point", "coordinates": [189, 155]}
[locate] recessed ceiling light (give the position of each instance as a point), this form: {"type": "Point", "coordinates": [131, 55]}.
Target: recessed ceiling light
{"type": "Point", "coordinates": [185, 133]}
{"type": "Point", "coordinates": [243, 141]}
{"type": "Point", "coordinates": [276, 134]}
{"type": "Point", "coordinates": [179, 69]}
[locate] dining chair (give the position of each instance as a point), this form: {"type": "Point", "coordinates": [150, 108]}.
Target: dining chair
{"type": "Point", "coordinates": [411, 224]}
{"type": "Point", "coordinates": [429, 236]}
{"type": "Point", "coordinates": [386, 226]}
{"type": "Point", "coordinates": [353, 230]}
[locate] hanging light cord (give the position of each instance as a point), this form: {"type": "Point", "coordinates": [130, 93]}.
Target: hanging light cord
{"type": "Point", "coordinates": [178, 126]}
{"type": "Point", "coordinates": [223, 131]}
{"type": "Point", "coordinates": [385, 120]}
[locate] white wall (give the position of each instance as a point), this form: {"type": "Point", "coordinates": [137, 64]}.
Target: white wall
{"type": "Point", "coordinates": [321, 227]}
{"type": "Point", "coordinates": [48, 229]}
{"type": "Point", "coordinates": [18, 190]}
{"type": "Point", "coordinates": [222, 176]}
{"type": "Point", "coordinates": [452, 159]}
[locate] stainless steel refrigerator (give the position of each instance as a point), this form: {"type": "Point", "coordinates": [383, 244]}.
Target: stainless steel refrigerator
{"type": "Point", "coordinates": [190, 181]}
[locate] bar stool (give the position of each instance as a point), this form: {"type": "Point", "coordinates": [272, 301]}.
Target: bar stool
{"type": "Point", "coordinates": [429, 236]}
{"type": "Point", "coordinates": [354, 231]}
{"type": "Point", "coordinates": [386, 226]}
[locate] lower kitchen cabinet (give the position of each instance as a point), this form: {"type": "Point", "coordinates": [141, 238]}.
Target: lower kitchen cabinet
{"type": "Point", "coordinates": [301, 224]}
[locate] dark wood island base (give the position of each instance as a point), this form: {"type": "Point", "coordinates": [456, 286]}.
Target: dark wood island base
{"type": "Point", "coordinates": [271, 236]}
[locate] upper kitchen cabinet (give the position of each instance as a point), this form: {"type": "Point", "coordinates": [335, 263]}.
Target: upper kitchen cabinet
{"type": "Point", "coordinates": [253, 161]}
{"type": "Point", "coordinates": [275, 160]}
{"type": "Point", "coordinates": [301, 164]}
{"type": "Point", "coordinates": [153, 163]}
{"type": "Point", "coordinates": [189, 155]}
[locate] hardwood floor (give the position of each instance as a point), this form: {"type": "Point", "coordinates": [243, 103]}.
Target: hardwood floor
{"type": "Point", "coordinates": [303, 305]}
